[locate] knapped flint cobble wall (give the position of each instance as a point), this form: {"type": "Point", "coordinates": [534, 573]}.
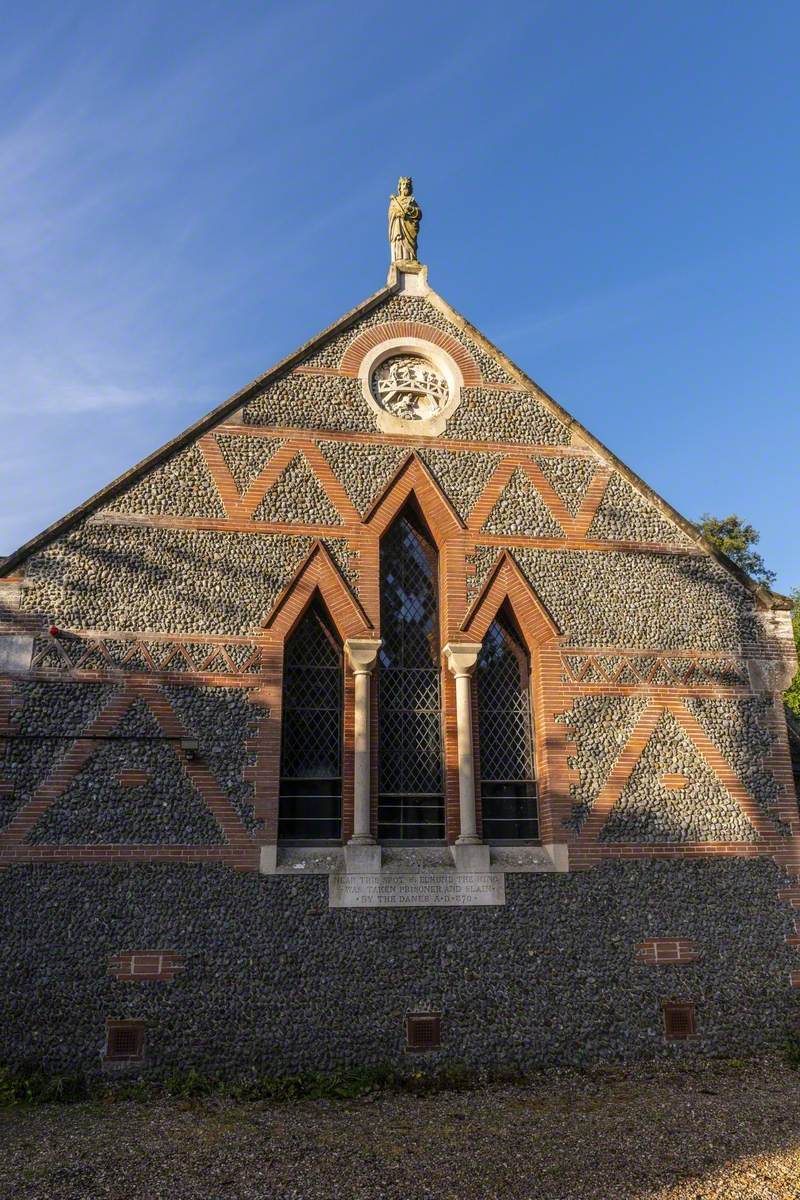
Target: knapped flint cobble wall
{"type": "Point", "coordinates": [570, 477]}
{"type": "Point", "coordinates": [182, 487]}
{"type": "Point", "coordinates": [164, 580]}
{"type": "Point", "coordinates": [701, 811]}
{"type": "Point", "coordinates": [462, 476]}
{"type": "Point", "coordinates": [647, 601]}
{"type": "Point", "coordinates": [599, 726]}
{"type": "Point", "coordinates": [362, 469]}
{"type": "Point", "coordinates": [312, 402]}
{"type": "Point", "coordinates": [297, 497]}
{"type": "Point", "coordinates": [625, 516]}
{"type": "Point", "coordinates": [337, 403]}
{"type": "Point", "coordinates": [520, 510]}
{"type": "Point", "coordinates": [46, 717]}
{"type": "Point", "coordinates": [277, 982]}
{"type": "Point", "coordinates": [246, 456]}
{"type": "Point", "coordinates": [220, 718]}
{"type": "Point", "coordinates": [512, 416]}
{"type": "Point", "coordinates": [97, 810]}
{"type": "Point", "coordinates": [740, 730]}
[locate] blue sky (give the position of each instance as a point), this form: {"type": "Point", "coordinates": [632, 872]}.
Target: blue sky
{"type": "Point", "coordinates": [610, 192]}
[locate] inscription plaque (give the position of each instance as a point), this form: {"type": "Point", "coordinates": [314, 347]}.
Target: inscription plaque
{"type": "Point", "coordinates": [417, 889]}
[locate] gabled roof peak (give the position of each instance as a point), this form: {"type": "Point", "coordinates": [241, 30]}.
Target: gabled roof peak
{"type": "Point", "coordinates": [408, 282]}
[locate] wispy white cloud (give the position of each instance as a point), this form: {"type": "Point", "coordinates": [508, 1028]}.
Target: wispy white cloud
{"type": "Point", "coordinates": [89, 250]}
{"type": "Point", "coordinates": [596, 314]}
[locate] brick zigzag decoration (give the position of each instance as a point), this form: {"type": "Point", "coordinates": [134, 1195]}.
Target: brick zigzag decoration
{"type": "Point", "coordinates": [237, 850]}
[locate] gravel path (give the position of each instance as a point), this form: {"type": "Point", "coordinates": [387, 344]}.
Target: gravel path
{"type": "Point", "coordinates": [721, 1129]}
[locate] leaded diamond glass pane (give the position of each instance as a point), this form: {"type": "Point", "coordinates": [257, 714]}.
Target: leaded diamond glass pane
{"type": "Point", "coordinates": [311, 786]}
{"type": "Point", "coordinates": [508, 783]}
{"type": "Point", "coordinates": [411, 801]}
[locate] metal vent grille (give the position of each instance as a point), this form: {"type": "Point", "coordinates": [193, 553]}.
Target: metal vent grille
{"type": "Point", "coordinates": [679, 1021]}
{"type": "Point", "coordinates": [423, 1031]}
{"type": "Point", "coordinates": [125, 1040]}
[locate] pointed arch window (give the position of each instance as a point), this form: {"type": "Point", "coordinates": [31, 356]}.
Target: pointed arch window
{"type": "Point", "coordinates": [411, 796]}
{"type": "Point", "coordinates": [508, 780]}
{"type": "Point", "coordinates": [310, 805]}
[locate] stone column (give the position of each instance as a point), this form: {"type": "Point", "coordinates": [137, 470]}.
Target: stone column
{"type": "Point", "coordinates": [361, 852]}
{"type": "Point", "coordinates": [469, 852]}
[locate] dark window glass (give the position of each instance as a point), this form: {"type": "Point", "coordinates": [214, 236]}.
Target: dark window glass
{"type": "Point", "coordinates": [508, 781]}
{"type": "Point", "coordinates": [311, 774]}
{"type": "Point", "coordinates": [411, 799]}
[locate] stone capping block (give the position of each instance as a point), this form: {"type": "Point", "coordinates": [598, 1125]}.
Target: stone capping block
{"type": "Point", "coordinates": [16, 652]}
{"type": "Point", "coordinates": [659, 952]}
{"type": "Point", "coordinates": [146, 966]}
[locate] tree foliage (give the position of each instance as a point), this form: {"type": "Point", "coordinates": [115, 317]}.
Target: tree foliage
{"type": "Point", "coordinates": [736, 538]}
{"type": "Point", "coordinates": [792, 697]}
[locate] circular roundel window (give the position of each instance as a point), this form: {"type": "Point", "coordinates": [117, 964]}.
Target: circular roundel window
{"type": "Point", "coordinates": [412, 386]}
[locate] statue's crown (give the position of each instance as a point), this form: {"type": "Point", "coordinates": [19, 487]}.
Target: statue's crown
{"type": "Point", "coordinates": [405, 179]}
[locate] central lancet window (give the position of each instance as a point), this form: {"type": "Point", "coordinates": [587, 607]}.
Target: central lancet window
{"type": "Point", "coordinates": [508, 780]}
{"type": "Point", "coordinates": [310, 807]}
{"type": "Point", "coordinates": [411, 791]}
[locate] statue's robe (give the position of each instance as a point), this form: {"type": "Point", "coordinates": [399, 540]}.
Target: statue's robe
{"type": "Point", "coordinates": [404, 218]}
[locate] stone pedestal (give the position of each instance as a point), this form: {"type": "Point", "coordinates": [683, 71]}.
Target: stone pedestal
{"type": "Point", "coordinates": [268, 860]}
{"type": "Point", "coordinates": [362, 859]}
{"type": "Point", "coordinates": [470, 857]}
{"type": "Point", "coordinates": [558, 853]}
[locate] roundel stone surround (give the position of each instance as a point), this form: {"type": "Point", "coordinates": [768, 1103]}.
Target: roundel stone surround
{"type": "Point", "coordinates": [411, 385]}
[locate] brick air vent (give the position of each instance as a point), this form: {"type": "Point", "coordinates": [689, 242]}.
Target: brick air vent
{"type": "Point", "coordinates": [423, 1031]}
{"type": "Point", "coordinates": [661, 952]}
{"type": "Point", "coordinates": [679, 1022]}
{"type": "Point", "coordinates": [133, 778]}
{"type": "Point", "coordinates": [125, 1041]}
{"type": "Point", "coordinates": [143, 965]}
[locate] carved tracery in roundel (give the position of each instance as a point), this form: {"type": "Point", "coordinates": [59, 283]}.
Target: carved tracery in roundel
{"type": "Point", "coordinates": [411, 385]}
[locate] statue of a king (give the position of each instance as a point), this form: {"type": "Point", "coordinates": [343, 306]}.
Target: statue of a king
{"type": "Point", "coordinates": [404, 218]}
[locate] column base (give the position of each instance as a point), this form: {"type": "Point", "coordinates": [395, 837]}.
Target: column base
{"type": "Point", "coordinates": [268, 860]}
{"type": "Point", "coordinates": [470, 857]}
{"type": "Point", "coordinates": [362, 858]}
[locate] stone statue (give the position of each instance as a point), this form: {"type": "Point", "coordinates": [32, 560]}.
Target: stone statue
{"type": "Point", "coordinates": [404, 218]}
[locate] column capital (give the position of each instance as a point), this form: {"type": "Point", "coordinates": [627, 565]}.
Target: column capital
{"type": "Point", "coordinates": [462, 656]}
{"type": "Point", "coordinates": [362, 654]}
